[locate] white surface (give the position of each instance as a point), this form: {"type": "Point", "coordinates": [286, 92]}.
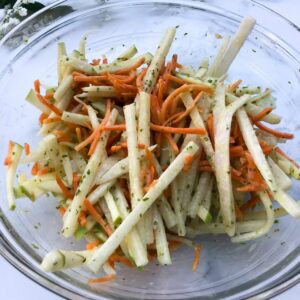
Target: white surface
{"type": "Point", "coordinates": [16, 286]}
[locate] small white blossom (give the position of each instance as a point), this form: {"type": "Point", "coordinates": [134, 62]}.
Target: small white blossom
{"type": "Point", "coordinates": [22, 11]}
{"type": "Point", "coordinates": [14, 21]}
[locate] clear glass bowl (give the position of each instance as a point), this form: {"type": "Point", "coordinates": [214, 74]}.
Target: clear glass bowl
{"type": "Point", "coordinates": [263, 267]}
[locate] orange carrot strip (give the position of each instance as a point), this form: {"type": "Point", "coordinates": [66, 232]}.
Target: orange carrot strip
{"type": "Point", "coordinates": [236, 151]}
{"type": "Point", "coordinates": [49, 96]}
{"type": "Point", "coordinates": [250, 188]}
{"type": "Point", "coordinates": [210, 127]}
{"type": "Point", "coordinates": [137, 64]}
{"type": "Point", "coordinates": [37, 86]}
{"type": "Point", "coordinates": [139, 79]}
{"type": "Point", "coordinates": [174, 245]}
{"type": "Point", "coordinates": [105, 61]}
{"type": "Point", "coordinates": [188, 109]}
{"type": "Point", "coordinates": [27, 148]}
{"type": "Point", "coordinates": [62, 211]}
{"type": "Point", "coordinates": [52, 107]}
{"type": "Point", "coordinates": [97, 216]}
{"type": "Point", "coordinates": [64, 189]}
{"type": "Point", "coordinates": [174, 95]}
{"type": "Point", "coordinates": [172, 143]}
{"type": "Point", "coordinates": [51, 120]}
{"type": "Point", "coordinates": [8, 158]}
{"type": "Point", "coordinates": [197, 251]}
{"type": "Point", "coordinates": [188, 162]}
{"type": "Point", "coordinates": [43, 171]}
{"type": "Point", "coordinates": [233, 86]}
{"type": "Point", "coordinates": [82, 219]}
{"type": "Point", "coordinates": [96, 62]}
{"type": "Point", "coordinates": [43, 116]}
{"type": "Point", "coordinates": [78, 134]}
{"type": "Point", "coordinates": [164, 129]}
{"type": "Point", "coordinates": [119, 127]}
{"type": "Point", "coordinates": [35, 168]}
{"type": "Point", "coordinates": [76, 180]}
{"type": "Point", "coordinates": [102, 279]}
{"type": "Point", "coordinates": [122, 259]}
{"type": "Point", "coordinates": [92, 245]}
{"type": "Point", "coordinates": [262, 114]}
{"type": "Point", "coordinates": [274, 132]}
{"type": "Point", "coordinates": [160, 93]}
{"type": "Point", "coordinates": [249, 204]}
{"type": "Point", "coordinates": [173, 78]}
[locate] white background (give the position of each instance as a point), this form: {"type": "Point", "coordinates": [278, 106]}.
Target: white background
{"type": "Point", "coordinates": [13, 283]}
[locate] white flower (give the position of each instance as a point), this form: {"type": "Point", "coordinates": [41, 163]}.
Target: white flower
{"type": "Point", "coordinates": [14, 21]}
{"type": "Point", "coordinates": [28, 1]}
{"type": "Point", "coordinates": [22, 11]}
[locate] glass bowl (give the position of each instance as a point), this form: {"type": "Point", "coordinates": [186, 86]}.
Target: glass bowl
{"type": "Point", "coordinates": [263, 267]}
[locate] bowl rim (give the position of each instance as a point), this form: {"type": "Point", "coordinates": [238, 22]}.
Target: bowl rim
{"type": "Point", "coordinates": [37, 277]}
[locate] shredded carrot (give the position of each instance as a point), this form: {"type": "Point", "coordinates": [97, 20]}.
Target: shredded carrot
{"type": "Point", "coordinates": [51, 106]}
{"type": "Point", "coordinates": [175, 94]}
{"type": "Point", "coordinates": [139, 79]}
{"type": "Point", "coordinates": [96, 62]}
{"type": "Point", "coordinates": [64, 189]}
{"type": "Point", "coordinates": [188, 110]}
{"type": "Point", "coordinates": [250, 188]}
{"type": "Point", "coordinates": [278, 150]}
{"type": "Point", "coordinates": [233, 86]}
{"type": "Point", "coordinates": [262, 114]}
{"type": "Point", "coordinates": [174, 245]}
{"type": "Point", "coordinates": [43, 116]}
{"type": "Point", "coordinates": [137, 64]}
{"type": "Point", "coordinates": [62, 211]}
{"type": "Point", "coordinates": [197, 251]}
{"type": "Point", "coordinates": [102, 279]}
{"type": "Point", "coordinates": [274, 132]}
{"type": "Point", "coordinates": [37, 86]}
{"type": "Point", "coordinates": [61, 135]}
{"type": "Point", "coordinates": [160, 93]}
{"type": "Point", "coordinates": [173, 78]}
{"type": "Point", "coordinates": [92, 245]}
{"type": "Point", "coordinates": [119, 127]}
{"type": "Point", "coordinates": [122, 259]}
{"type": "Point", "coordinates": [51, 120]}
{"type": "Point", "coordinates": [8, 158]}
{"type": "Point", "coordinates": [188, 162]}
{"type": "Point", "coordinates": [105, 61]}
{"type": "Point", "coordinates": [82, 219]}
{"type": "Point", "coordinates": [43, 171]}
{"type": "Point", "coordinates": [97, 216]}
{"type": "Point", "coordinates": [76, 180]}
{"type": "Point", "coordinates": [172, 143]}
{"type": "Point", "coordinates": [236, 151]}
{"type": "Point", "coordinates": [165, 129]}
{"type": "Point", "coordinates": [27, 148]}
{"type": "Point", "coordinates": [78, 134]}
{"type": "Point", "coordinates": [249, 204]}
{"type": "Point", "coordinates": [35, 168]}
{"type": "Point", "coordinates": [210, 127]}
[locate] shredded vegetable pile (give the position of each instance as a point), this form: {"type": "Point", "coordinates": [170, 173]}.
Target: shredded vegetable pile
{"type": "Point", "coordinates": [144, 154]}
